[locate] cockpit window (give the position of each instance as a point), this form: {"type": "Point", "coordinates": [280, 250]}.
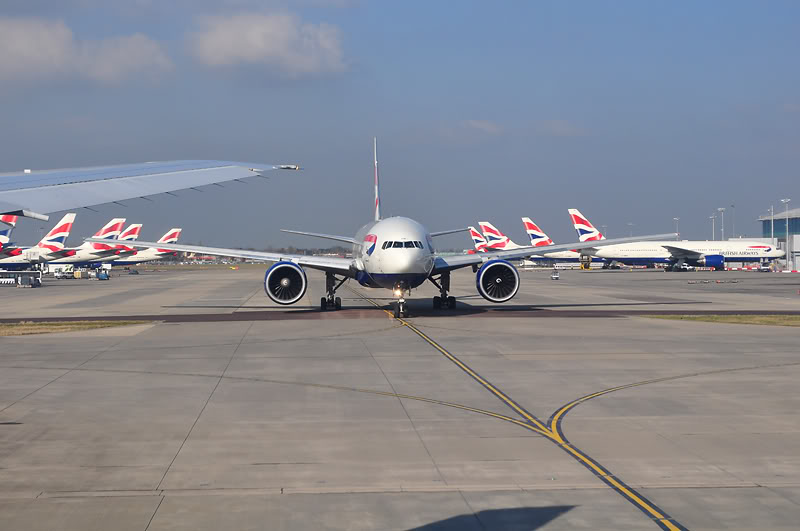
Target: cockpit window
{"type": "Point", "coordinates": [418, 245]}
{"type": "Point", "coordinates": [409, 245]}
{"type": "Point", "coordinates": [386, 245]}
{"type": "Point", "coordinates": [398, 245]}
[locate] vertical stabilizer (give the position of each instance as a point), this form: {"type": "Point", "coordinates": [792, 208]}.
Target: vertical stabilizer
{"type": "Point", "coordinates": [586, 231]}
{"type": "Point", "coordinates": [377, 187]}
{"type": "Point", "coordinates": [57, 237]}
{"type": "Point", "coordinates": [478, 240]}
{"type": "Point", "coordinates": [537, 235]}
{"type": "Point", "coordinates": [496, 239]}
{"type": "Point", "coordinates": [9, 222]}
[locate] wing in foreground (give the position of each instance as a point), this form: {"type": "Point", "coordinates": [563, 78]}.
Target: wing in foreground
{"type": "Point", "coordinates": [340, 266]}
{"type": "Point", "coordinates": [449, 263]}
{"type": "Point", "coordinates": [35, 193]}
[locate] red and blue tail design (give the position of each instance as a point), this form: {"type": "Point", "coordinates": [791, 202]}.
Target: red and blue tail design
{"type": "Point", "coordinates": [537, 236]}
{"type": "Point", "coordinates": [496, 239]}
{"type": "Point", "coordinates": [478, 240]}
{"type": "Point", "coordinates": [586, 231]}
{"type": "Point", "coordinates": [129, 234]}
{"type": "Point", "coordinates": [57, 238]}
{"type": "Point", "coordinates": [9, 220]}
{"type": "Point", "coordinates": [171, 236]}
{"type": "Point", "coordinates": [110, 231]}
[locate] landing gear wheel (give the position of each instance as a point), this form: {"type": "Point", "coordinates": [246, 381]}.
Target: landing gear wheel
{"type": "Point", "coordinates": [437, 303]}
{"type": "Point", "coordinates": [400, 310]}
{"type": "Point", "coordinates": [337, 303]}
{"type": "Point", "coordinates": [323, 304]}
{"type": "Point", "coordinates": [451, 302]}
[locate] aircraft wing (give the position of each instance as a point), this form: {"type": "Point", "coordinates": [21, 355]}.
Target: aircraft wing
{"type": "Point", "coordinates": [34, 193]}
{"type": "Point", "coordinates": [341, 266]}
{"type": "Point", "coordinates": [681, 252]}
{"type": "Point", "coordinates": [449, 263]}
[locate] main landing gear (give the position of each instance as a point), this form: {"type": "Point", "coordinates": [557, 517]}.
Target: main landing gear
{"type": "Point", "coordinates": [443, 301]}
{"type": "Point", "coordinates": [331, 301]}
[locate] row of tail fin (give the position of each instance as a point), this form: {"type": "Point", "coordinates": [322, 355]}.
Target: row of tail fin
{"type": "Point", "coordinates": [493, 239]}
{"type": "Point", "coordinates": [55, 240]}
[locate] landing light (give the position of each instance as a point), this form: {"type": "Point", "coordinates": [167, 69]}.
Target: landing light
{"type": "Point", "coordinates": [398, 292]}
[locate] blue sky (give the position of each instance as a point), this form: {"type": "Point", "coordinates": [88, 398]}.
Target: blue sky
{"type": "Point", "coordinates": [634, 112]}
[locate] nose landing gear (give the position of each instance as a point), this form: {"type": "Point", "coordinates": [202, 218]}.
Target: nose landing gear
{"type": "Point", "coordinates": [331, 301]}
{"type": "Point", "coordinates": [443, 301]}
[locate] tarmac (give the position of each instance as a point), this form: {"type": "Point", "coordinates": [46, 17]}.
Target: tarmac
{"type": "Point", "coordinates": [566, 408]}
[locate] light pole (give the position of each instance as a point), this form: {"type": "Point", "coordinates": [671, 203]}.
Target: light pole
{"type": "Point", "coordinates": [721, 211]}
{"type": "Point", "coordinates": [733, 221]}
{"type": "Point", "coordinates": [630, 229]}
{"type": "Point", "coordinates": [676, 220]}
{"type": "Point", "coordinates": [713, 228]}
{"type": "Point", "coordinates": [786, 202]}
{"type": "Point", "coordinates": [605, 230]}
{"type": "Point", "coordinates": [772, 225]}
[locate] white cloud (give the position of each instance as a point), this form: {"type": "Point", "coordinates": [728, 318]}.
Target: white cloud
{"type": "Point", "coordinates": [490, 128]}
{"type": "Point", "coordinates": [561, 128]}
{"type": "Point", "coordinates": [280, 42]}
{"type": "Point", "coordinates": [36, 48]}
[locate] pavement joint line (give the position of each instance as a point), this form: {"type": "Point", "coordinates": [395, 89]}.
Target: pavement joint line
{"type": "Point", "coordinates": [200, 414]}
{"type": "Point", "coordinates": [660, 517]}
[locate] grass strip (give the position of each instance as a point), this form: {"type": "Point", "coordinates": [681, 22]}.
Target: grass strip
{"type": "Point", "coordinates": [25, 328]}
{"type": "Point", "coordinates": [772, 320]}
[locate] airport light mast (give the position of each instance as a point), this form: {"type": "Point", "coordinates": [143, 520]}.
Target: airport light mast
{"type": "Point", "coordinates": [630, 228]}
{"type": "Point", "coordinates": [721, 211]}
{"type": "Point", "coordinates": [786, 202]}
{"type": "Point", "coordinates": [676, 220]}
{"type": "Point", "coordinates": [772, 225]}
{"type": "Point", "coordinates": [713, 218]}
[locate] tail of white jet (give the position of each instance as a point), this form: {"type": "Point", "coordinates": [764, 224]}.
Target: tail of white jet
{"type": "Point", "coordinates": [496, 240]}
{"type": "Point", "coordinates": [151, 253]}
{"type": "Point", "coordinates": [52, 245]}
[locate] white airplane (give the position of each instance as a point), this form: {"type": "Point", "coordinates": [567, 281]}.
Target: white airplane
{"type": "Point", "coordinates": [49, 247]}
{"type": "Point", "coordinates": [87, 253]}
{"type": "Point", "coordinates": [395, 253]}
{"type": "Point", "coordinates": [540, 239]}
{"type": "Point", "coordinates": [676, 254]}
{"type": "Point", "coordinates": [495, 239]}
{"type": "Point", "coordinates": [151, 253]}
{"type": "Point", "coordinates": [115, 252]}
{"type": "Point", "coordinates": [34, 193]}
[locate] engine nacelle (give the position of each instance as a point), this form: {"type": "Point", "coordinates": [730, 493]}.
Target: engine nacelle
{"type": "Point", "coordinates": [717, 261]}
{"type": "Point", "coordinates": [497, 281]}
{"type": "Point", "coordinates": [285, 282]}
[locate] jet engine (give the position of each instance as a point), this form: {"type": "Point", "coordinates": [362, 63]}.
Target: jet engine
{"type": "Point", "coordinates": [285, 282]}
{"type": "Point", "coordinates": [497, 281]}
{"type": "Point", "coordinates": [717, 261]}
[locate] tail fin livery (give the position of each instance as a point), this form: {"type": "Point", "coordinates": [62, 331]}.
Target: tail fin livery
{"type": "Point", "coordinates": [537, 236]}
{"type": "Point", "coordinates": [129, 234]}
{"type": "Point", "coordinates": [171, 236]}
{"type": "Point", "coordinates": [478, 240]}
{"type": "Point", "coordinates": [110, 231]}
{"type": "Point", "coordinates": [9, 219]}
{"type": "Point", "coordinates": [377, 188]}
{"type": "Point", "coordinates": [495, 238]}
{"type": "Point", "coordinates": [586, 231]}
{"type": "Point", "coordinates": [57, 237]}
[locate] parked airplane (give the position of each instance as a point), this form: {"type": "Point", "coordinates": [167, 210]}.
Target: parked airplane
{"type": "Point", "coordinates": [394, 253]}
{"type": "Point", "coordinates": [676, 254]}
{"type": "Point", "coordinates": [151, 253]}
{"type": "Point", "coordinates": [87, 253]}
{"type": "Point", "coordinates": [51, 246]}
{"type": "Point", "coordinates": [34, 193]}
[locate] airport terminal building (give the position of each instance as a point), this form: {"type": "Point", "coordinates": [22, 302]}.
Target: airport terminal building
{"type": "Point", "coordinates": [775, 226]}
